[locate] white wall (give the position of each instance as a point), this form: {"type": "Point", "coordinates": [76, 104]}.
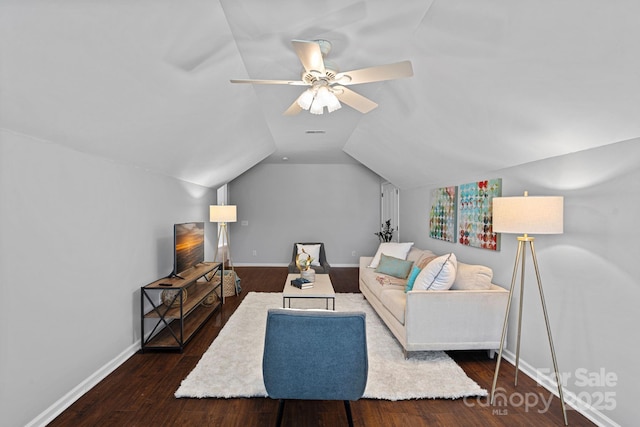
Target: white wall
{"type": "Point", "coordinates": [79, 236]}
{"type": "Point", "coordinates": [337, 204]}
{"type": "Point", "coordinates": [589, 273]}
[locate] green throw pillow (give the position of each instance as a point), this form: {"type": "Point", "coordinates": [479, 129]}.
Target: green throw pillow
{"type": "Point", "coordinates": [395, 267]}
{"type": "Point", "coordinates": [412, 278]}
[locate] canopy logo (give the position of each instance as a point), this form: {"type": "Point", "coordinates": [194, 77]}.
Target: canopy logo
{"type": "Point", "coordinates": [596, 392]}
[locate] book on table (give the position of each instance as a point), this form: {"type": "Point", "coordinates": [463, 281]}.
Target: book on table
{"type": "Point", "coordinates": [301, 283]}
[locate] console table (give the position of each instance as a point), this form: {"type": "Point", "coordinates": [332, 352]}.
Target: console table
{"type": "Point", "coordinates": [171, 319]}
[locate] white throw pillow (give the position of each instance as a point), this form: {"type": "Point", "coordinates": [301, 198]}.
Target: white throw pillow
{"type": "Point", "coordinates": [438, 275]}
{"type": "Point", "coordinates": [312, 250]}
{"type": "Point", "coordinates": [396, 250]}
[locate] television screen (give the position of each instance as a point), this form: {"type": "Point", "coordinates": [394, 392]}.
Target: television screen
{"type": "Point", "coordinates": [188, 241]}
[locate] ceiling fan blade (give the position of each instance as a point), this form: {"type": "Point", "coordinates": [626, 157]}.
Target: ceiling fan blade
{"type": "Point", "coordinates": [270, 82]}
{"type": "Point", "coordinates": [376, 74]}
{"type": "Point", "coordinates": [293, 109]}
{"type": "Point", "coordinates": [310, 55]}
{"type": "Point", "coordinates": [354, 100]}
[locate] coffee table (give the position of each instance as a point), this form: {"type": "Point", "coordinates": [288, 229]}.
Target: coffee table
{"type": "Point", "coordinates": [322, 288]}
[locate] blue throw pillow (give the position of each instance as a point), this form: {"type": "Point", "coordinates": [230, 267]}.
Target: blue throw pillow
{"type": "Point", "coordinates": [412, 278]}
{"type": "Point", "coordinates": [395, 267]}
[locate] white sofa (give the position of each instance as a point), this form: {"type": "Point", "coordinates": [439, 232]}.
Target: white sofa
{"type": "Point", "coordinates": [455, 319]}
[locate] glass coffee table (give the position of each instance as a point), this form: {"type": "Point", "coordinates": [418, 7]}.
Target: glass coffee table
{"type": "Point", "coordinates": [322, 289]}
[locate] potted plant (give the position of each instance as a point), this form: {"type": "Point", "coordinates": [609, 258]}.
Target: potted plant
{"type": "Point", "coordinates": [386, 232]}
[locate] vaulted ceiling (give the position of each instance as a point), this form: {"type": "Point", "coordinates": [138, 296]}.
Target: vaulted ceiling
{"type": "Point", "coordinates": [146, 82]}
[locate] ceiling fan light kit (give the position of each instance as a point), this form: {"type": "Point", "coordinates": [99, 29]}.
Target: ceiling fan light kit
{"type": "Point", "coordinates": [305, 100]}
{"type": "Point", "coordinates": [332, 102]}
{"type": "Point", "coordinates": [317, 97]}
{"type": "Point", "coordinates": [325, 80]}
{"type": "Point", "coordinates": [316, 108]}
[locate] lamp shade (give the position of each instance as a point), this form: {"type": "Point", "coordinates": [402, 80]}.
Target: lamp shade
{"type": "Point", "coordinates": [333, 103]}
{"type": "Point", "coordinates": [305, 99]}
{"type": "Point", "coordinates": [222, 213]}
{"type": "Point", "coordinates": [528, 215]}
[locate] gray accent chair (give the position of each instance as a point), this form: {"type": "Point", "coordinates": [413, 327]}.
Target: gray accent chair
{"type": "Point", "coordinates": [324, 266]}
{"type": "Point", "coordinates": [315, 355]}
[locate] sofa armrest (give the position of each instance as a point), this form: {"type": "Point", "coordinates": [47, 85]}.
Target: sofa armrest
{"type": "Point", "coordinates": [455, 316]}
{"type": "Point", "coordinates": [365, 261]}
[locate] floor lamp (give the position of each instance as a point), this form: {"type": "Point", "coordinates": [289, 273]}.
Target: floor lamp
{"type": "Point", "coordinates": [222, 214]}
{"type": "Point", "coordinates": [524, 215]}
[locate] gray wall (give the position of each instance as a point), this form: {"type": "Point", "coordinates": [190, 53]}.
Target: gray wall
{"type": "Point", "coordinates": [79, 235]}
{"type": "Point", "coordinates": [589, 273]}
{"type": "Point", "coordinates": [337, 204]}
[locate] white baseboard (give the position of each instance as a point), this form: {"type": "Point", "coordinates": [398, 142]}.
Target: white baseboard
{"type": "Point", "coordinates": [570, 398]}
{"type": "Point", "coordinates": [277, 264]}
{"type": "Point", "coordinates": [77, 392]}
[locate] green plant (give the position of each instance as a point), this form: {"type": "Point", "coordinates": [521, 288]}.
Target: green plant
{"type": "Point", "coordinates": [386, 232]}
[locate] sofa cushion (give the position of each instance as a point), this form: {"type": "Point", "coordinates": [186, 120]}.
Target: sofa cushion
{"type": "Point", "coordinates": [393, 266]}
{"type": "Point", "coordinates": [376, 282]}
{"type": "Point", "coordinates": [438, 275]}
{"type": "Point", "coordinates": [395, 300]}
{"type": "Point", "coordinates": [472, 277]}
{"type": "Point", "coordinates": [397, 250]}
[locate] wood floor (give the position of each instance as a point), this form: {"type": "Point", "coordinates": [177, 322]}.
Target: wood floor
{"type": "Point", "coordinates": [140, 392]}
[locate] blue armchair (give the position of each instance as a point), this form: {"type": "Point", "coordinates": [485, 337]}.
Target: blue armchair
{"type": "Point", "coordinates": [315, 355]}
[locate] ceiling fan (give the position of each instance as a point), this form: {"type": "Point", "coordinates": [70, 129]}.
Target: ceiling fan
{"type": "Point", "coordinates": [327, 86]}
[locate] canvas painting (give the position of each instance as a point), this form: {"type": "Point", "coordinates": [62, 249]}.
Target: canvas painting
{"type": "Point", "coordinates": [475, 222]}
{"type": "Point", "coordinates": [443, 216]}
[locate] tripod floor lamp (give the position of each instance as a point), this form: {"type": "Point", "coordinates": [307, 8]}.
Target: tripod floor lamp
{"type": "Point", "coordinates": [223, 214]}
{"type": "Point", "coordinates": [524, 215]}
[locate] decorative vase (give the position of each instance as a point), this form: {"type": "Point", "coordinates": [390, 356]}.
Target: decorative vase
{"type": "Point", "coordinates": [303, 261]}
{"type": "Point", "coordinates": [309, 274]}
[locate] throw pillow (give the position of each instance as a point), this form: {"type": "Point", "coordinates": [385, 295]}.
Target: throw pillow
{"type": "Point", "coordinates": [412, 278]}
{"type": "Point", "coordinates": [313, 250]}
{"type": "Point", "coordinates": [416, 253]}
{"type": "Point", "coordinates": [472, 277]}
{"type": "Point", "coordinates": [395, 267]}
{"type": "Point", "coordinates": [438, 275]}
{"type": "Point", "coordinates": [422, 262]}
{"type": "Point", "coordinates": [397, 250]}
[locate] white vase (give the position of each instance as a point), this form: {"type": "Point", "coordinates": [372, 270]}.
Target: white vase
{"type": "Point", "coordinates": [309, 274]}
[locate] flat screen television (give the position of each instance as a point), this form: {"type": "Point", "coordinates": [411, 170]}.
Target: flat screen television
{"type": "Point", "coordinates": [188, 239]}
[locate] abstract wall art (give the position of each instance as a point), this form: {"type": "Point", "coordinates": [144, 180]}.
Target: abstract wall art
{"type": "Point", "coordinates": [443, 215]}
{"type": "Point", "coordinates": [475, 216]}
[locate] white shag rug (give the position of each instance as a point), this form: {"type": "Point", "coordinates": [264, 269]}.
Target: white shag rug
{"type": "Point", "coordinates": [232, 366]}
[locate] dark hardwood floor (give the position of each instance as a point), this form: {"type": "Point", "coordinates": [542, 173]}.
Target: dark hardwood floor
{"type": "Point", "coordinates": [140, 392]}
